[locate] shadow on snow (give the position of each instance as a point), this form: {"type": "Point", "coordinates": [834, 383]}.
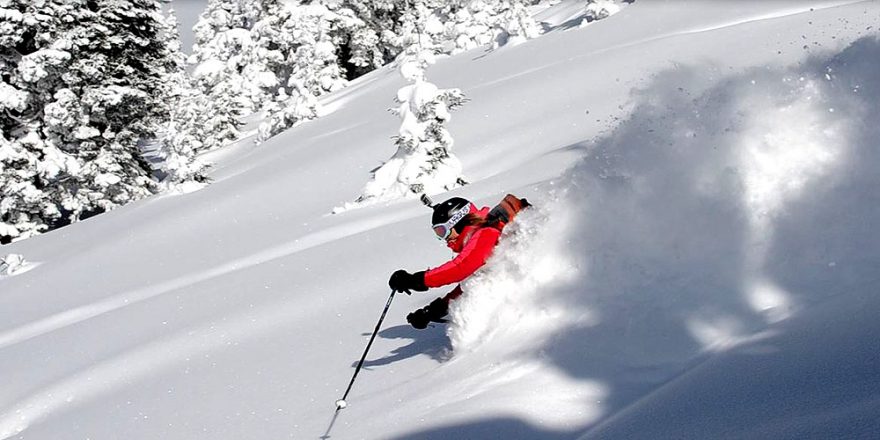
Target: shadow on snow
{"type": "Point", "coordinates": [432, 342]}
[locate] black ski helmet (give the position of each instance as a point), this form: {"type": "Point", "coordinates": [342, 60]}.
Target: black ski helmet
{"type": "Point", "coordinates": [444, 211]}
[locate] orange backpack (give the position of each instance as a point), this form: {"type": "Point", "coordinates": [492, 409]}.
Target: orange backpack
{"type": "Point", "coordinates": [504, 212]}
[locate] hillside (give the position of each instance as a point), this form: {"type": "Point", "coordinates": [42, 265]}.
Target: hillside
{"type": "Point", "coordinates": [700, 264]}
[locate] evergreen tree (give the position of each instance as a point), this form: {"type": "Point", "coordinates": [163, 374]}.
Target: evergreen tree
{"type": "Point", "coordinates": [471, 24]}
{"type": "Point", "coordinates": [209, 103]}
{"type": "Point", "coordinates": [475, 23]}
{"type": "Point", "coordinates": [85, 81]}
{"type": "Point", "coordinates": [220, 55]}
{"type": "Point", "coordinates": [314, 60]}
{"type": "Point", "coordinates": [191, 126]}
{"type": "Point", "coordinates": [382, 28]}
{"type": "Point", "coordinates": [300, 106]}
{"type": "Point", "coordinates": [240, 52]}
{"type": "Point", "coordinates": [515, 24]}
{"type": "Point", "coordinates": [599, 9]}
{"type": "Point", "coordinates": [372, 39]}
{"type": "Point", "coordinates": [281, 60]}
{"type": "Point", "coordinates": [423, 162]}
{"type": "Point", "coordinates": [314, 67]}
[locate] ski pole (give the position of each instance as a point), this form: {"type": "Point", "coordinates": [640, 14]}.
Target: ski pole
{"type": "Point", "coordinates": [341, 402]}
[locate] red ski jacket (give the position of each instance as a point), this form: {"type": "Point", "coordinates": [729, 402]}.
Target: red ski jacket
{"type": "Point", "coordinates": [474, 245]}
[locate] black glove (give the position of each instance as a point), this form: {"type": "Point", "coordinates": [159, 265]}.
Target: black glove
{"type": "Point", "coordinates": [403, 281]}
{"type": "Point", "coordinates": [435, 311]}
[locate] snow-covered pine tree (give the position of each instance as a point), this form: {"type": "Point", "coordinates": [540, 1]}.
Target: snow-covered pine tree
{"type": "Point", "coordinates": [515, 24]}
{"type": "Point", "coordinates": [265, 55]}
{"type": "Point", "coordinates": [599, 9]}
{"type": "Point", "coordinates": [469, 24]}
{"type": "Point", "coordinates": [184, 134]}
{"type": "Point", "coordinates": [423, 162]}
{"type": "Point", "coordinates": [317, 34]}
{"type": "Point", "coordinates": [300, 105]}
{"type": "Point", "coordinates": [85, 80]}
{"type": "Point", "coordinates": [474, 23]}
{"type": "Point", "coordinates": [265, 68]}
{"type": "Point", "coordinates": [372, 40]}
{"type": "Point", "coordinates": [220, 55]}
{"type": "Point", "coordinates": [377, 31]}
{"type": "Point", "coordinates": [313, 66]}
{"type": "Point", "coordinates": [24, 210]}
{"type": "Point", "coordinates": [171, 40]}
{"type": "Point", "coordinates": [208, 104]}
{"type": "Point", "coordinates": [454, 26]}
{"type": "Point", "coordinates": [241, 50]}
{"type": "Point", "coordinates": [327, 42]}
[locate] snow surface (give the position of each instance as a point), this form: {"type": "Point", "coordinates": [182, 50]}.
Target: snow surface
{"type": "Point", "coordinates": [701, 262]}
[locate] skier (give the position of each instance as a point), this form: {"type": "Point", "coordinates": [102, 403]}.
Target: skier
{"type": "Point", "coordinates": [472, 234]}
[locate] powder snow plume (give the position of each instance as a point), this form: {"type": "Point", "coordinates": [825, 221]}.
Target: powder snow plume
{"type": "Point", "coordinates": [664, 243]}
{"type": "Point", "coordinates": [508, 298]}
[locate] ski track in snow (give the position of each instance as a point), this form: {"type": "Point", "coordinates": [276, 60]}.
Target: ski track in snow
{"type": "Point", "coordinates": [106, 376]}
{"type": "Point", "coordinates": [772, 15]}
{"type": "Point", "coordinates": [124, 299]}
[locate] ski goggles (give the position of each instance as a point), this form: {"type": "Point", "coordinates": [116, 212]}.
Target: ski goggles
{"type": "Point", "coordinates": [443, 230]}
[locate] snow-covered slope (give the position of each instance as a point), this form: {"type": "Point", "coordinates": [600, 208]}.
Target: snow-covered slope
{"type": "Point", "coordinates": [701, 263]}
